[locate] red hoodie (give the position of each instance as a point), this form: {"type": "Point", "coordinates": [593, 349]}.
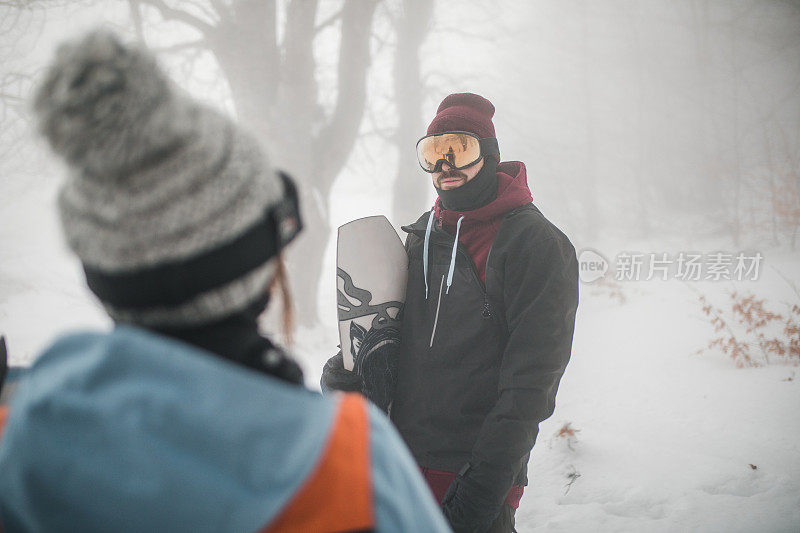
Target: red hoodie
{"type": "Point", "coordinates": [480, 226]}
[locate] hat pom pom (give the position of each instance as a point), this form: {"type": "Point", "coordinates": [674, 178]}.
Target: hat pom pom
{"type": "Point", "coordinates": [94, 94]}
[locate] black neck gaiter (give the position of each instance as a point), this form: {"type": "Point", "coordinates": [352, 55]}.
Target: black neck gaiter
{"type": "Point", "coordinates": [475, 193]}
{"type": "Point", "coordinates": [236, 338]}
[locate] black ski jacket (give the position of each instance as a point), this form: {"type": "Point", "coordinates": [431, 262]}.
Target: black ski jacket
{"type": "Point", "coordinates": [479, 366]}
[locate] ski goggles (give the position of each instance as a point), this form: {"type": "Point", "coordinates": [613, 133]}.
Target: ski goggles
{"type": "Point", "coordinates": [459, 149]}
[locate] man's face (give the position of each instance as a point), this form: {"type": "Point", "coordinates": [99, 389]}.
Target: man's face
{"type": "Point", "coordinates": [449, 178]}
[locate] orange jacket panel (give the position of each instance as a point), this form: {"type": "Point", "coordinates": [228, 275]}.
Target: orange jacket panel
{"type": "Point", "coordinates": [337, 496]}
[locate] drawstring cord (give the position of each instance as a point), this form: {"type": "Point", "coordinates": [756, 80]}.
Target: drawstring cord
{"type": "Point", "coordinates": [425, 252]}
{"type": "Point", "coordinates": [436, 318]}
{"type": "Point", "coordinates": [453, 256]}
{"type": "Point", "coordinates": [450, 271]}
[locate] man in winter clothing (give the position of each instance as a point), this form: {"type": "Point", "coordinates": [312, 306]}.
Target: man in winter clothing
{"type": "Point", "coordinates": [184, 417]}
{"type": "Point", "coordinates": [488, 321]}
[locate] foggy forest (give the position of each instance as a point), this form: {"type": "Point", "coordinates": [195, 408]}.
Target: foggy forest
{"type": "Point", "coordinates": [649, 128]}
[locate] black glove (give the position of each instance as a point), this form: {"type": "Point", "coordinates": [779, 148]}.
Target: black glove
{"type": "Point", "coordinates": [474, 499]}
{"type": "Point", "coordinates": [373, 377]}
{"type": "Point", "coordinates": [379, 374]}
{"type": "Point", "coordinates": [336, 378]}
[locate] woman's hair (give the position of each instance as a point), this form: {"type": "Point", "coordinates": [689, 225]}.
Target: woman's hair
{"type": "Point", "coordinates": [280, 282]}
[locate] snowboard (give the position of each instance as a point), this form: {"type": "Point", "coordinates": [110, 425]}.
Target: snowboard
{"type": "Point", "coordinates": [371, 272]}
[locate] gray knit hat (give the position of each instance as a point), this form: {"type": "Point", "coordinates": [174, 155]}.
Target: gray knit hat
{"type": "Point", "coordinates": [173, 210]}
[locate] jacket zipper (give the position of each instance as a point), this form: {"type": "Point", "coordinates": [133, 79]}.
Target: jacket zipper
{"type": "Point", "coordinates": [486, 311]}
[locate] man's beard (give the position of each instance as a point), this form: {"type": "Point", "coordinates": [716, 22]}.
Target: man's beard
{"type": "Point", "coordinates": [450, 174]}
{"type": "Point", "coordinates": [472, 194]}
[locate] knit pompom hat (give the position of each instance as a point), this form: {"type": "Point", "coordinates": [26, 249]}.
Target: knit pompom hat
{"type": "Point", "coordinates": [464, 112]}
{"type": "Point", "coordinates": [168, 204]}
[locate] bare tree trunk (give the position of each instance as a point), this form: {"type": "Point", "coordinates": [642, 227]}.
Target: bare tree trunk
{"type": "Point", "coordinates": [331, 148]}
{"type": "Point", "coordinates": [275, 94]}
{"type": "Point", "coordinates": [244, 43]}
{"type": "Point", "coordinates": [411, 186]}
{"type": "Point", "coordinates": [294, 117]}
{"type": "Point", "coordinates": [296, 114]}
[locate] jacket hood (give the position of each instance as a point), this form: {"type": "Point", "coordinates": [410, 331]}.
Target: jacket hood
{"type": "Point", "coordinates": [512, 191]}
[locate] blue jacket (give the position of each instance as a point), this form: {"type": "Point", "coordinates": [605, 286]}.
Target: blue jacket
{"type": "Point", "coordinates": [131, 431]}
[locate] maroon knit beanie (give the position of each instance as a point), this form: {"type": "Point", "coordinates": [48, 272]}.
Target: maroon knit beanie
{"type": "Point", "coordinates": [464, 112]}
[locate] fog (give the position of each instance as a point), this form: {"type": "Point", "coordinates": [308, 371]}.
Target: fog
{"type": "Point", "coordinates": [650, 130]}
{"type": "Point", "coordinates": [655, 127]}
{"type": "Point", "coordinates": [636, 120]}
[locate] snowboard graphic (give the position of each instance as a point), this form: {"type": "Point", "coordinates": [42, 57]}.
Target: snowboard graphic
{"type": "Point", "coordinates": [371, 271]}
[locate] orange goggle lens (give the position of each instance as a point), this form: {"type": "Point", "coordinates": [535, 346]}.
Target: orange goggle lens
{"type": "Point", "coordinates": [457, 149]}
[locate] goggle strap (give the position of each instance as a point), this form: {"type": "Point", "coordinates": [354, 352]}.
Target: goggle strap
{"type": "Point", "coordinates": [489, 146]}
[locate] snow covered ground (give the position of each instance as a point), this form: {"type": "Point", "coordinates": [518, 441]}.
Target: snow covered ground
{"type": "Point", "coordinates": [664, 437]}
